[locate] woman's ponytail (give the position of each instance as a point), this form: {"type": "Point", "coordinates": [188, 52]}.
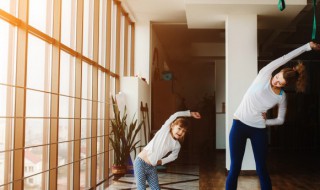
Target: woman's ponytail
{"type": "Point", "coordinates": [296, 75]}
{"type": "Point", "coordinates": [301, 81]}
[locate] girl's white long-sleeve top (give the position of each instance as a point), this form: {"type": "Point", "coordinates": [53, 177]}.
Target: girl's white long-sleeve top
{"type": "Point", "coordinates": [163, 142]}
{"type": "Point", "coordinates": [260, 97]}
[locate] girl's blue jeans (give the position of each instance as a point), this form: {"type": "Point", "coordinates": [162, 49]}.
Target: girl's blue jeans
{"type": "Point", "coordinates": [145, 172]}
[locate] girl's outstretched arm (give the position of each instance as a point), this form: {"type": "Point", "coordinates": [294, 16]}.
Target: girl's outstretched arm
{"type": "Point", "coordinates": [195, 115]}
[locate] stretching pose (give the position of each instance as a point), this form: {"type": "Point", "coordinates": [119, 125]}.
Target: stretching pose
{"type": "Point", "coordinates": [165, 140]}
{"type": "Point", "coordinates": [250, 118]}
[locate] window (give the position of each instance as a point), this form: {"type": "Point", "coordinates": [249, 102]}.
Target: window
{"type": "Point", "coordinates": [10, 6]}
{"type": "Point", "coordinates": [88, 28]}
{"type": "Point", "coordinates": [30, 180]}
{"type": "Point", "coordinates": [68, 23]}
{"type": "Point", "coordinates": [55, 94]}
{"type": "Point", "coordinates": [41, 15]}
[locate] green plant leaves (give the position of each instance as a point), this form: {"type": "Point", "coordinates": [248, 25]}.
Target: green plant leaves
{"type": "Point", "coordinates": [123, 136]}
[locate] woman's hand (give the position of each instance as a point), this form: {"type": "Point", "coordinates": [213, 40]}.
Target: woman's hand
{"type": "Point", "coordinates": [195, 115]}
{"type": "Point", "coordinates": [315, 46]}
{"type": "Point", "coordinates": [264, 115]}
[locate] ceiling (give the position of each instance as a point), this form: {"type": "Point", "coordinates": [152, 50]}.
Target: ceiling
{"type": "Point", "coordinates": [182, 24]}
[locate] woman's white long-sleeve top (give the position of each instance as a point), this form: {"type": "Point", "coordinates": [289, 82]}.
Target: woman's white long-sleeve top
{"type": "Point", "coordinates": [260, 97]}
{"type": "Point", "coordinates": [163, 142]}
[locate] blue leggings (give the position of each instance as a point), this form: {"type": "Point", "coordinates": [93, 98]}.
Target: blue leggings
{"type": "Point", "coordinates": [239, 134]}
{"type": "Point", "coordinates": [144, 172]}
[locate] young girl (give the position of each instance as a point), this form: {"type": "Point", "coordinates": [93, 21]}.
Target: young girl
{"type": "Point", "coordinates": [165, 140]}
{"type": "Point", "coordinates": [250, 118]}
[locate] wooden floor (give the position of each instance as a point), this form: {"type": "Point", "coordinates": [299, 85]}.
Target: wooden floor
{"type": "Point", "coordinates": [289, 170]}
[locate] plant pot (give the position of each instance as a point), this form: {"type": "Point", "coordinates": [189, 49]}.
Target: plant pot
{"type": "Point", "coordinates": [118, 171]}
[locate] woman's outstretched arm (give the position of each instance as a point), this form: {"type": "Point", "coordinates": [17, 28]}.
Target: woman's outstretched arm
{"type": "Point", "coordinates": [268, 69]}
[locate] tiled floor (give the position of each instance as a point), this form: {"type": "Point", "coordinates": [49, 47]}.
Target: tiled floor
{"type": "Point", "coordinates": [289, 170]}
{"type": "Point", "coordinates": [175, 177]}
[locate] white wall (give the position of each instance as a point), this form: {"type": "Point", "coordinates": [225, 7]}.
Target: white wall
{"type": "Point", "coordinates": [136, 90]}
{"type": "Point", "coordinates": [208, 49]}
{"type": "Point", "coordinates": [241, 69]}
{"type": "Point", "coordinates": [142, 50]}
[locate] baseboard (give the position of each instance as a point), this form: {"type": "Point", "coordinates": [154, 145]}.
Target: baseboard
{"type": "Point", "coordinates": [220, 150]}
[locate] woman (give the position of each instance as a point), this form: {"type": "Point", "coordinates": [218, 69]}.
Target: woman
{"type": "Point", "coordinates": [250, 118]}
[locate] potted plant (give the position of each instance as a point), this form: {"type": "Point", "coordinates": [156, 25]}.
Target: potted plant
{"type": "Point", "coordinates": [122, 140]}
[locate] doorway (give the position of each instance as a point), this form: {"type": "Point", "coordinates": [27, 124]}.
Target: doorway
{"type": "Point", "coordinates": [184, 78]}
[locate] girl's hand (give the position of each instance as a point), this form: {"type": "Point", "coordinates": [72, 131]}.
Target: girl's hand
{"type": "Point", "coordinates": [315, 46]}
{"type": "Point", "coordinates": [264, 115]}
{"type": "Point", "coordinates": [196, 115]}
{"type": "Point", "coordinates": [159, 162]}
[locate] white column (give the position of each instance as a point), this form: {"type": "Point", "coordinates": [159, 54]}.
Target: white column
{"type": "Point", "coordinates": [241, 69]}
{"type": "Point", "coordinates": [142, 49]}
